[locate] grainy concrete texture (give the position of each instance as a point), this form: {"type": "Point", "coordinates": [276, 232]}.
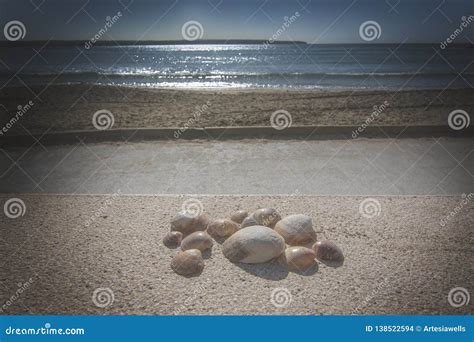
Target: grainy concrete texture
{"type": "Point", "coordinates": [362, 167]}
{"type": "Point", "coordinates": [400, 262]}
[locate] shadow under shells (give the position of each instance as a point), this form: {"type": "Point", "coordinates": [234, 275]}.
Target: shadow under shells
{"type": "Point", "coordinates": [332, 263]}
{"type": "Point", "coordinates": [273, 270]}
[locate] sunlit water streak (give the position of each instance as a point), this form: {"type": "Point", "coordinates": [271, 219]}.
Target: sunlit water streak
{"type": "Point", "coordinates": [244, 66]}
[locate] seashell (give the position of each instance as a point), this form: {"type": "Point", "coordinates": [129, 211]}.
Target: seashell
{"type": "Point", "coordinates": [267, 217]}
{"type": "Point", "coordinates": [222, 228]}
{"type": "Point", "coordinates": [254, 244]}
{"type": "Point", "coordinates": [328, 251]}
{"type": "Point", "coordinates": [187, 224]}
{"type": "Point", "coordinates": [239, 216]}
{"type": "Point", "coordinates": [297, 230]}
{"type": "Point", "coordinates": [197, 240]}
{"type": "Point", "coordinates": [188, 263]}
{"type": "Point", "coordinates": [172, 239]}
{"type": "Point", "coordinates": [248, 222]}
{"type": "Point", "coordinates": [298, 258]}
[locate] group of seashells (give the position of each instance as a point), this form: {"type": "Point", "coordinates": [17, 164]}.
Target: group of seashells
{"type": "Point", "coordinates": [255, 238]}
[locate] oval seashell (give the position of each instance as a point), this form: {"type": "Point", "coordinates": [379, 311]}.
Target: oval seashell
{"type": "Point", "coordinates": [173, 239]}
{"type": "Point", "coordinates": [328, 251]}
{"type": "Point", "coordinates": [254, 244]}
{"type": "Point", "coordinates": [239, 216]}
{"type": "Point", "coordinates": [222, 228]}
{"type": "Point", "coordinates": [197, 240]}
{"type": "Point", "coordinates": [267, 217]}
{"type": "Point", "coordinates": [188, 263]}
{"type": "Point", "coordinates": [248, 222]}
{"type": "Point", "coordinates": [298, 258]}
{"type": "Point", "coordinates": [297, 230]}
{"type": "Point", "coordinates": [186, 224]}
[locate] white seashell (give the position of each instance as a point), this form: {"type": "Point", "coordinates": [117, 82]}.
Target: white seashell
{"type": "Point", "coordinates": [197, 240]}
{"type": "Point", "coordinates": [297, 230]}
{"type": "Point", "coordinates": [298, 258]}
{"type": "Point", "coordinates": [254, 244]}
{"type": "Point", "coordinates": [222, 228]}
{"type": "Point", "coordinates": [267, 217]}
{"type": "Point", "coordinates": [248, 221]}
{"type": "Point", "coordinates": [172, 239]}
{"type": "Point", "coordinates": [239, 216]}
{"type": "Point", "coordinates": [188, 263]}
{"type": "Point", "coordinates": [328, 251]}
{"type": "Point", "coordinates": [186, 224]}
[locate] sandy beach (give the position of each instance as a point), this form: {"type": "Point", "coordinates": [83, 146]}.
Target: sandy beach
{"type": "Point", "coordinates": [400, 262]}
{"type": "Point", "coordinates": [71, 107]}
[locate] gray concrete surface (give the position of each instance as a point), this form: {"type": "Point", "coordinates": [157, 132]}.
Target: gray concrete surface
{"type": "Point", "coordinates": [402, 261]}
{"type": "Point", "coordinates": [426, 166]}
{"type": "Point", "coordinates": [309, 132]}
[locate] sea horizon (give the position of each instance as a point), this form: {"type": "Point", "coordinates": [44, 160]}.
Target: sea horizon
{"type": "Point", "coordinates": [282, 65]}
{"type": "Point", "coordinates": [106, 42]}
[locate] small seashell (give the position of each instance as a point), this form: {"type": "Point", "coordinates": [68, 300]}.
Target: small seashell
{"type": "Point", "coordinates": [248, 222]}
{"type": "Point", "coordinates": [187, 224]}
{"type": "Point", "coordinates": [298, 258]}
{"type": "Point", "coordinates": [239, 216]}
{"type": "Point", "coordinates": [328, 251]}
{"type": "Point", "coordinates": [254, 244]}
{"type": "Point", "coordinates": [197, 240]}
{"type": "Point", "coordinates": [297, 230]}
{"type": "Point", "coordinates": [188, 263]}
{"type": "Point", "coordinates": [222, 228]}
{"type": "Point", "coordinates": [267, 217]}
{"type": "Point", "coordinates": [172, 239]}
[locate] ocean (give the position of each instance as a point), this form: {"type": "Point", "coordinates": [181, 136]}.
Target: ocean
{"type": "Point", "coordinates": [297, 66]}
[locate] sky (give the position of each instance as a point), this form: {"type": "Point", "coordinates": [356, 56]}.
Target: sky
{"type": "Point", "coordinates": [318, 21]}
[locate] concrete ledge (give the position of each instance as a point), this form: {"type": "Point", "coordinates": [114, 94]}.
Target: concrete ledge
{"type": "Point", "coordinates": [227, 133]}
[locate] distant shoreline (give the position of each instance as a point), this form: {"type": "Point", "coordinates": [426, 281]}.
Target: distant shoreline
{"type": "Point", "coordinates": [150, 42]}
{"type": "Point", "coordinates": [5, 43]}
